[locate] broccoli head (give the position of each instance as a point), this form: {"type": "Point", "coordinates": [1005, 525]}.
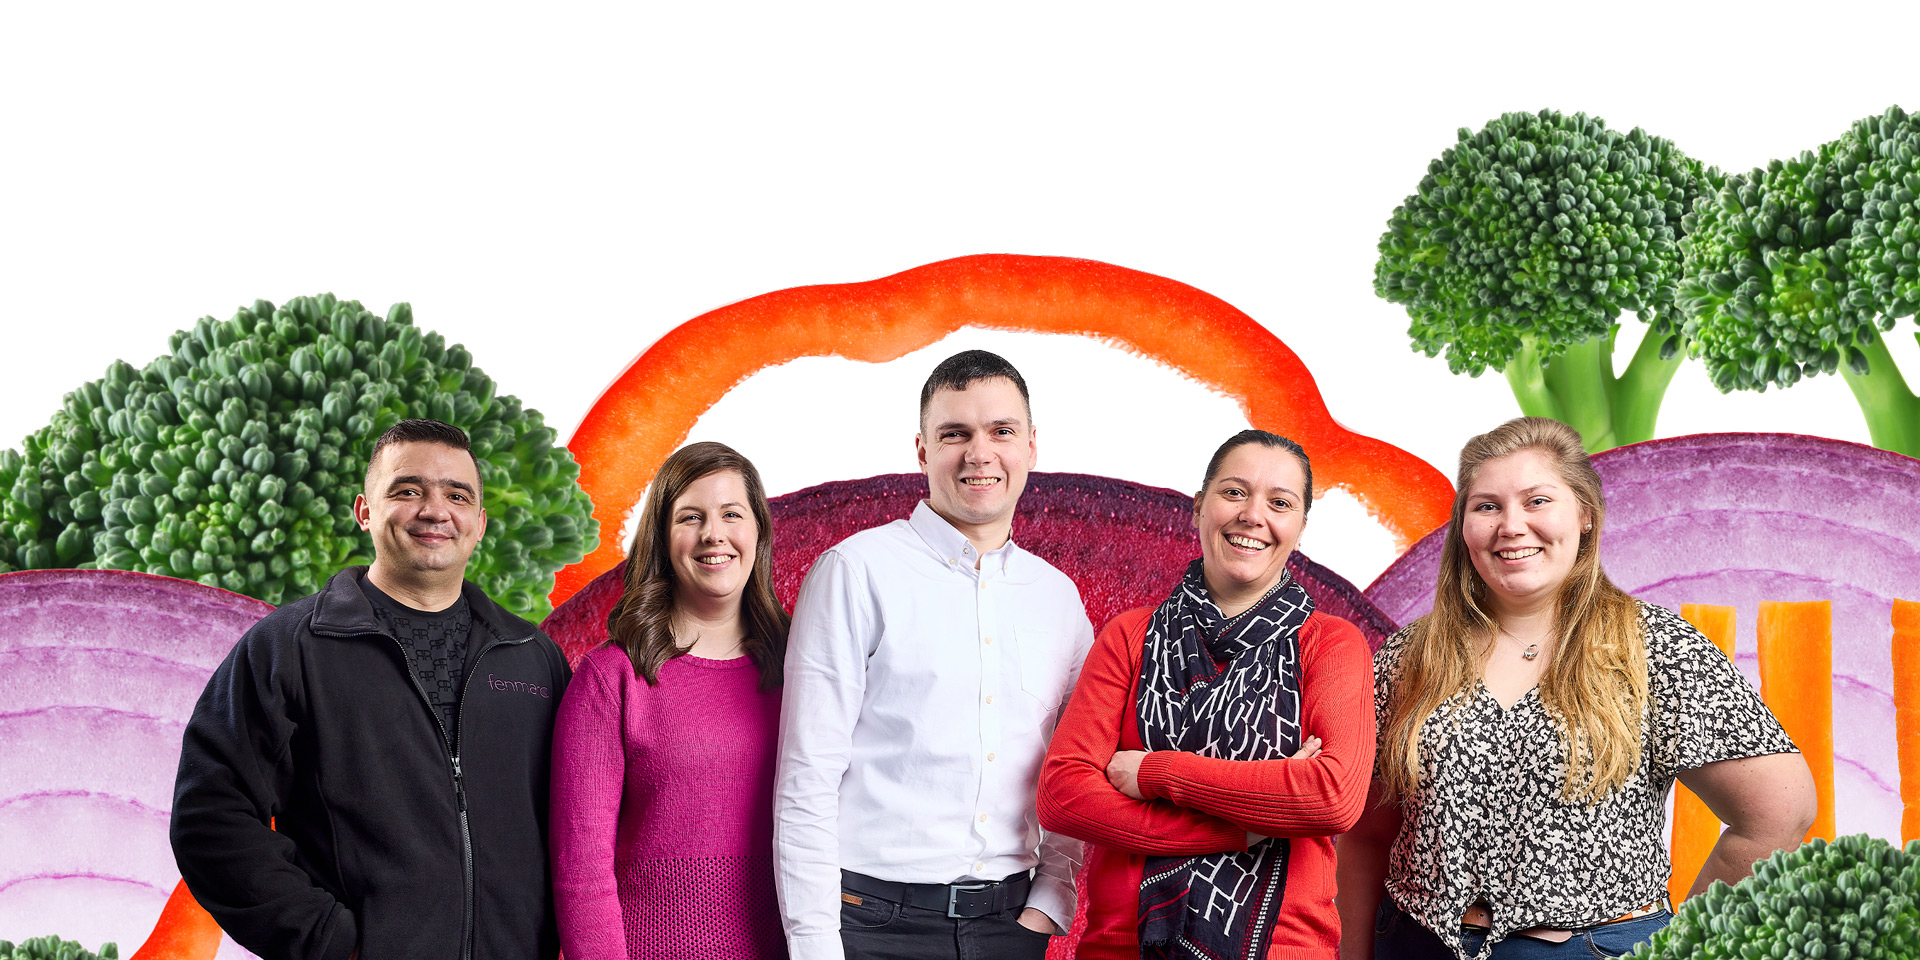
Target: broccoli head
{"type": "Point", "coordinates": [234, 459]}
{"type": "Point", "coordinates": [1884, 262]}
{"type": "Point", "coordinates": [1852, 899]}
{"type": "Point", "coordinates": [1795, 270]}
{"type": "Point", "coordinates": [1522, 247]}
{"type": "Point", "coordinates": [54, 948]}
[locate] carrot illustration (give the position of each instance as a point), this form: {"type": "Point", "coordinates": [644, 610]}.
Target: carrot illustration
{"type": "Point", "coordinates": [1906, 712]}
{"type": "Point", "coordinates": [650, 408]}
{"type": "Point", "coordinates": [183, 932]}
{"type": "Point", "coordinates": [1695, 828]}
{"type": "Point", "coordinates": [1796, 680]}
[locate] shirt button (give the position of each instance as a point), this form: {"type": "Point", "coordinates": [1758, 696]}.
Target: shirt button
{"type": "Point", "coordinates": [979, 867]}
{"type": "Point", "coordinates": [989, 641]}
{"type": "Point", "coordinates": [989, 698]}
{"type": "Point", "coordinates": [983, 818]}
{"type": "Point", "coordinates": [989, 758]}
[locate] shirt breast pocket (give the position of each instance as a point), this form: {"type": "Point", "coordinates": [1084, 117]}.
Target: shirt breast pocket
{"type": "Point", "coordinates": [1044, 664]}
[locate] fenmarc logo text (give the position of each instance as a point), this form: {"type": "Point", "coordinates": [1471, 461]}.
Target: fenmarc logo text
{"type": "Point", "coordinates": [518, 686]}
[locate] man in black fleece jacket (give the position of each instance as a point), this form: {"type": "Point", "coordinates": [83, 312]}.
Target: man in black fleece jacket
{"type": "Point", "coordinates": [366, 773]}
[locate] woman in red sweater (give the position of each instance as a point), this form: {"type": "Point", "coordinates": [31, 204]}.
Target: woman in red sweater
{"type": "Point", "coordinates": [1216, 744]}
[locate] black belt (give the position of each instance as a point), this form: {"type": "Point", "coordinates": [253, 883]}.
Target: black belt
{"type": "Point", "coordinates": [959, 900]}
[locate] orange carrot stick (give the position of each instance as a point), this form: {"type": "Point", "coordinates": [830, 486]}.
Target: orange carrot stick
{"type": "Point", "coordinates": [184, 931]}
{"type": "Point", "coordinates": [1906, 712]}
{"type": "Point", "coordinates": [1695, 828]}
{"type": "Point", "coordinates": [1796, 680]}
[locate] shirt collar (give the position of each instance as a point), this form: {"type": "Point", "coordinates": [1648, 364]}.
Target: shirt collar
{"type": "Point", "coordinates": [952, 546]}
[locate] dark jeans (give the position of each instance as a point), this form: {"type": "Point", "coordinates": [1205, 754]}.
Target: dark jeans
{"type": "Point", "coordinates": [880, 930]}
{"type": "Point", "coordinates": [1397, 936]}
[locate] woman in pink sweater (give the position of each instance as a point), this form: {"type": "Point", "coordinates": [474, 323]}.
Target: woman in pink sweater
{"type": "Point", "coordinates": [664, 747]}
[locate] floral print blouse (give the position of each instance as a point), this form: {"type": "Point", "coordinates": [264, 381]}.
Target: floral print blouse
{"type": "Point", "coordinates": [1487, 821]}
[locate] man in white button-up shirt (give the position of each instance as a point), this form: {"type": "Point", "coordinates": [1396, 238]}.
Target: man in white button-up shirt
{"type": "Point", "coordinates": [927, 664]}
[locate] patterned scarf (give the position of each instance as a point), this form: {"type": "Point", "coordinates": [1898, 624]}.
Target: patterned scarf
{"type": "Point", "coordinates": [1219, 905]}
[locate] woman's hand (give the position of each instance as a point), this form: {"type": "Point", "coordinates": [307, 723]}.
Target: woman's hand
{"type": "Point", "coordinates": [1123, 771]}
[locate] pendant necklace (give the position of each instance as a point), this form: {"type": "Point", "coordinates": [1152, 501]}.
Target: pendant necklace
{"type": "Point", "coordinates": [1532, 650]}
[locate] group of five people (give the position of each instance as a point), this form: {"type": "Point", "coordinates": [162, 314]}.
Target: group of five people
{"type": "Point", "coordinates": [909, 766]}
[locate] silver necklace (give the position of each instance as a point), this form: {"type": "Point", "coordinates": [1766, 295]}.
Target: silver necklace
{"type": "Point", "coordinates": [1532, 650]}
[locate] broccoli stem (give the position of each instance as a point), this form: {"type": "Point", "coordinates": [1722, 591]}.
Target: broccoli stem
{"type": "Point", "coordinates": [1642, 387]}
{"type": "Point", "coordinates": [1527, 376]}
{"type": "Point", "coordinates": [1579, 388]}
{"type": "Point", "coordinates": [1891, 409]}
{"type": "Point", "coordinates": [1582, 380]}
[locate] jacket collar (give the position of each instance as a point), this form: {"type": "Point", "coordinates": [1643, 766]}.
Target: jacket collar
{"type": "Point", "coordinates": [341, 609]}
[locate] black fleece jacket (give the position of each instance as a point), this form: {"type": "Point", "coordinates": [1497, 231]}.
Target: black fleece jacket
{"type": "Point", "coordinates": [384, 840]}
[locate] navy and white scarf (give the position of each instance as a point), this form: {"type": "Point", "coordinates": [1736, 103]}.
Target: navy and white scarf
{"type": "Point", "coordinates": [1219, 905]}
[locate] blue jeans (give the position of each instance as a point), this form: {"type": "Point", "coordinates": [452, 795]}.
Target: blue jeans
{"type": "Point", "coordinates": [1397, 936]}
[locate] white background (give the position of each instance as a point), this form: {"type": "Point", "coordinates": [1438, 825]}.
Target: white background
{"type": "Point", "coordinates": [556, 187]}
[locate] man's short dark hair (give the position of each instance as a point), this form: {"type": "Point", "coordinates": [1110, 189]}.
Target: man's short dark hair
{"type": "Point", "coordinates": [426, 431]}
{"type": "Point", "coordinates": [959, 372]}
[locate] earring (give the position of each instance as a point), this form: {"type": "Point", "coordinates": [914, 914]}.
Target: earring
{"type": "Point", "coordinates": [1587, 529]}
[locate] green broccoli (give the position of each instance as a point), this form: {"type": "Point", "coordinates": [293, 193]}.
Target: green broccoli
{"type": "Point", "coordinates": [234, 459]}
{"type": "Point", "coordinates": [54, 948]}
{"type": "Point", "coordinates": [1852, 899]}
{"type": "Point", "coordinates": [1523, 246]}
{"type": "Point", "coordinates": [1794, 271]}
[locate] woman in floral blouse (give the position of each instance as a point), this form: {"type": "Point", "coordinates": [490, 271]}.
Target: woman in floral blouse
{"type": "Point", "coordinates": [1485, 834]}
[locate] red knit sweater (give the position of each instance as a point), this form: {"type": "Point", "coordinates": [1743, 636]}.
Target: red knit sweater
{"type": "Point", "coordinates": [1199, 804]}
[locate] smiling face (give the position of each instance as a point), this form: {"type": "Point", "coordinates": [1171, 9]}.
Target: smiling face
{"type": "Point", "coordinates": [422, 506]}
{"type": "Point", "coordinates": [1250, 518]}
{"type": "Point", "coordinates": [1522, 528]}
{"type": "Point", "coordinates": [976, 447]}
{"type": "Point", "coordinates": [712, 539]}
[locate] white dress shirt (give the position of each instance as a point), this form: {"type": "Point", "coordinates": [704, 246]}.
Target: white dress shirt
{"type": "Point", "coordinates": [920, 696]}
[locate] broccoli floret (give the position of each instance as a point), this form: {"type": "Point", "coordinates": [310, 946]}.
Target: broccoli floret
{"type": "Point", "coordinates": [54, 948]}
{"type": "Point", "coordinates": [1525, 243]}
{"type": "Point", "coordinates": [234, 459]}
{"type": "Point", "coordinates": [1795, 270]}
{"type": "Point", "coordinates": [1852, 899]}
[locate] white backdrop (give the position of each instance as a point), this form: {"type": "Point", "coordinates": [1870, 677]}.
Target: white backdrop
{"type": "Point", "coordinates": [556, 189]}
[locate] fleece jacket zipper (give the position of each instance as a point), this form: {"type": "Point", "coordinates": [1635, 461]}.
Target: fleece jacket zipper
{"type": "Point", "coordinates": [459, 783]}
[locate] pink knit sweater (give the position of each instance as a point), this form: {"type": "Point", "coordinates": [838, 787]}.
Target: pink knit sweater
{"type": "Point", "coordinates": [663, 812]}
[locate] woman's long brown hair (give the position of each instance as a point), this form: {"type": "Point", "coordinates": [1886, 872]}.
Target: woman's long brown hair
{"type": "Point", "coordinates": [1595, 688]}
{"type": "Point", "coordinates": [642, 622]}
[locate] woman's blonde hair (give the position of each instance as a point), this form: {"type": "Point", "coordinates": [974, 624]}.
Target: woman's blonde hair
{"type": "Point", "coordinates": [1595, 688]}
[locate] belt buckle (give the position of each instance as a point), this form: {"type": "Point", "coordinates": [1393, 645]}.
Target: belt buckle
{"type": "Point", "coordinates": [953, 897]}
